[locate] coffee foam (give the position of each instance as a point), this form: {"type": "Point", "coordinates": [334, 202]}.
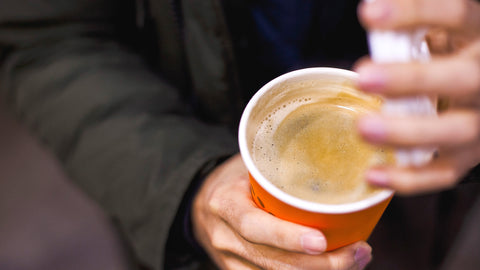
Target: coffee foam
{"type": "Point", "coordinates": [297, 153]}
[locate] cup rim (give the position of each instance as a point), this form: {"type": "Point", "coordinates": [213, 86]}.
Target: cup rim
{"type": "Point", "coordinates": [271, 188]}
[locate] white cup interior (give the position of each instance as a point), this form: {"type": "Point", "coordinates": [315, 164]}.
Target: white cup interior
{"type": "Point", "coordinates": [263, 102]}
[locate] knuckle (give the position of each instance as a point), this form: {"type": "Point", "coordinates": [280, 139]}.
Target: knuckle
{"type": "Point", "coordinates": [476, 124]}
{"type": "Point", "coordinates": [249, 225]}
{"type": "Point", "coordinates": [457, 169]}
{"type": "Point", "coordinates": [214, 204]}
{"type": "Point", "coordinates": [295, 262]}
{"type": "Point", "coordinates": [458, 12]}
{"type": "Point", "coordinates": [264, 262]}
{"type": "Point", "coordinates": [281, 239]}
{"type": "Point", "coordinates": [405, 182]}
{"type": "Point", "coordinates": [472, 133]}
{"type": "Point", "coordinates": [445, 174]}
{"type": "Point", "coordinates": [471, 77]}
{"type": "Point", "coordinates": [404, 187]}
{"type": "Point", "coordinates": [219, 204]}
{"type": "Point", "coordinates": [416, 78]}
{"type": "Point", "coordinates": [461, 128]}
{"type": "Point", "coordinates": [450, 177]}
{"type": "Point", "coordinates": [245, 228]}
{"type": "Point", "coordinates": [339, 263]}
{"type": "Point", "coordinates": [218, 240]}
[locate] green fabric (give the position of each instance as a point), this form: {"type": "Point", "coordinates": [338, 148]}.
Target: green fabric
{"type": "Point", "coordinates": [125, 135]}
{"type": "Point", "coordinates": [73, 71]}
{"type": "Point", "coordinates": [211, 61]}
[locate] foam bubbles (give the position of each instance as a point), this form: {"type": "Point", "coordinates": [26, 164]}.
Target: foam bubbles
{"type": "Point", "coordinates": [305, 148]}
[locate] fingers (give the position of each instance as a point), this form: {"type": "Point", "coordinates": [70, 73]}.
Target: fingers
{"type": "Point", "coordinates": [239, 235]}
{"type": "Point", "coordinates": [442, 173]}
{"type": "Point", "coordinates": [257, 226]}
{"type": "Point", "coordinates": [413, 180]}
{"type": "Point", "coordinates": [453, 74]}
{"type": "Point", "coordinates": [233, 262]}
{"type": "Point", "coordinates": [253, 248]}
{"type": "Point", "coordinates": [457, 14]}
{"type": "Point", "coordinates": [354, 256]}
{"type": "Point", "coordinates": [450, 129]}
{"type": "Point", "coordinates": [456, 132]}
{"type": "Point", "coordinates": [250, 238]}
{"type": "Point", "coordinates": [341, 258]}
{"type": "Point", "coordinates": [437, 77]}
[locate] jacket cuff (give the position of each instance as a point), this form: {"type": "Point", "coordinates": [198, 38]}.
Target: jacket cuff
{"type": "Point", "coordinates": [182, 247]}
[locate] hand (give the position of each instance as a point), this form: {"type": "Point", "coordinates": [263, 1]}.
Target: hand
{"type": "Point", "coordinates": [239, 235]}
{"type": "Point", "coordinates": [453, 74]}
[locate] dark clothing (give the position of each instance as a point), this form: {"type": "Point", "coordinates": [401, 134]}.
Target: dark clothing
{"type": "Point", "coordinates": [293, 34]}
{"type": "Point", "coordinates": [139, 98]}
{"type": "Point", "coordinates": [272, 37]}
{"type": "Point", "coordinates": [423, 232]}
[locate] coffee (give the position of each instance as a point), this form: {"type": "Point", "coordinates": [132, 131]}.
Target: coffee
{"type": "Point", "coordinates": [306, 143]}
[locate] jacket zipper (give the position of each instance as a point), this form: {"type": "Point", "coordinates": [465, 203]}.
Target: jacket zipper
{"type": "Point", "coordinates": [231, 63]}
{"type": "Point", "coordinates": [176, 11]}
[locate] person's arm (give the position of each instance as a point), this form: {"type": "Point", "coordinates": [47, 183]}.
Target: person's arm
{"type": "Point", "coordinates": [121, 132]}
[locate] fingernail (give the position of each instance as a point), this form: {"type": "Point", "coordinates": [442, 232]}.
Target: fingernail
{"type": "Point", "coordinates": [377, 10]}
{"type": "Point", "coordinates": [372, 128]}
{"type": "Point", "coordinates": [313, 242]}
{"type": "Point", "coordinates": [371, 79]}
{"type": "Point", "coordinates": [363, 256]}
{"type": "Point", "coordinates": [377, 178]}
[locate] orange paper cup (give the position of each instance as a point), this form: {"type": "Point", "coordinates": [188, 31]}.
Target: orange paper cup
{"type": "Point", "coordinates": [342, 224]}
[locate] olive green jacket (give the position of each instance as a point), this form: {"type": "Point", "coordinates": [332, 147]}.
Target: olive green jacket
{"type": "Point", "coordinates": [126, 114]}
{"type": "Point", "coordinates": [138, 97]}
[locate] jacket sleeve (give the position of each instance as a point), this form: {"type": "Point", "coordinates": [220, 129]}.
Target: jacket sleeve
{"type": "Point", "coordinates": [123, 134]}
{"type": "Point", "coordinates": [473, 175]}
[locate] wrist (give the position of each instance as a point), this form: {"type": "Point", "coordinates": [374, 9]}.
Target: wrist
{"type": "Point", "coordinates": [182, 247]}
